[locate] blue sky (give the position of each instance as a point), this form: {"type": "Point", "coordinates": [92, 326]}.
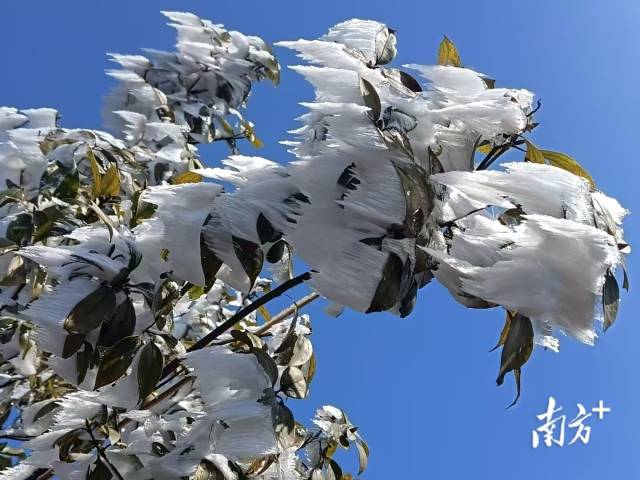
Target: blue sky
{"type": "Point", "coordinates": [422, 389]}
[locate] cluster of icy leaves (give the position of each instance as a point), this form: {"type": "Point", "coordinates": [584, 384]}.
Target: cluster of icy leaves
{"type": "Point", "coordinates": [195, 88]}
{"type": "Point", "coordinates": [118, 257]}
{"type": "Point", "coordinates": [384, 193]}
{"type": "Point", "coordinates": [95, 298]}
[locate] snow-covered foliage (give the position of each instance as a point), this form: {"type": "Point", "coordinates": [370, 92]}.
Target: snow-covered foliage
{"type": "Point", "coordinates": [134, 336]}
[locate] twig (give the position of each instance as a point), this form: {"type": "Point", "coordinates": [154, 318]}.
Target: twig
{"type": "Point", "coordinates": [237, 317]}
{"type": "Point", "coordinates": [156, 400]}
{"type": "Point", "coordinates": [101, 453]}
{"type": "Point", "coordinates": [287, 312]}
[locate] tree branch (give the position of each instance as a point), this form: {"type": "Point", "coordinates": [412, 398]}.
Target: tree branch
{"type": "Point", "coordinates": [101, 453]}
{"type": "Point", "coordinates": [239, 315]}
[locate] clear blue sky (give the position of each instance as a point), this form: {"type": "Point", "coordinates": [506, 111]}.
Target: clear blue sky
{"type": "Point", "coordinates": [421, 389]}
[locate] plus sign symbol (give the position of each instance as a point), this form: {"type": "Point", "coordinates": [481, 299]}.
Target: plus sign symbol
{"type": "Point", "coordinates": [601, 410]}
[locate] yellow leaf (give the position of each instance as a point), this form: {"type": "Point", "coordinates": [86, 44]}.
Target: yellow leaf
{"type": "Point", "coordinates": [265, 313]}
{"type": "Point", "coordinates": [225, 126]}
{"type": "Point", "coordinates": [448, 53]}
{"type": "Point", "coordinates": [187, 177]}
{"type": "Point", "coordinates": [533, 154]}
{"type": "Point", "coordinates": [486, 148]}
{"type": "Point", "coordinates": [95, 173]}
{"type": "Point", "coordinates": [505, 331]}
{"type": "Point", "coordinates": [251, 135]}
{"type": "Point", "coordinates": [110, 183]}
{"type": "Point", "coordinates": [564, 161]}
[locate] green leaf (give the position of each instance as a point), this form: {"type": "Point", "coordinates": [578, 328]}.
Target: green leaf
{"type": "Point", "coordinates": [209, 261]}
{"type": "Point", "coordinates": [119, 325]}
{"type": "Point", "coordinates": [72, 344]}
{"type": "Point", "coordinates": [448, 53]}
{"type": "Point", "coordinates": [610, 299]}
{"type": "Point", "coordinates": [388, 290]}
{"type": "Point", "coordinates": [511, 217]}
{"type": "Point", "coordinates": [334, 472]}
{"type": "Point", "coordinates": [68, 187]}
{"type": "Point", "coordinates": [149, 369]}
{"type": "Point", "coordinates": [371, 99]}
{"type": "Point", "coordinates": [250, 256]}
{"type": "Point", "coordinates": [116, 361]}
{"type": "Point", "coordinates": [293, 384]}
{"type": "Point", "coordinates": [195, 292]}
{"type": "Point", "coordinates": [401, 81]}
{"type": "Point", "coordinates": [20, 229]}
{"type": "Point", "coordinates": [91, 311]}
{"type": "Point", "coordinates": [48, 408]}
{"type": "Point", "coordinates": [159, 449]}
{"type": "Point", "coordinates": [100, 471]}
{"type": "Point", "coordinates": [419, 197]}
{"type": "Point", "coordinates": [83, 361]}
{"type": "Point", "coordinates": [266, 232]}
{"type": "Point", "coordinates": [625, 280]}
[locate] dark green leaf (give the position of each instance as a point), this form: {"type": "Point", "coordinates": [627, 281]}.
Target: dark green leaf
{"type": "Point", "coordinates": [48, 408]}
{"type": "Point", "coordinates": [371, 99]}
{"type": "Point", "coordinates": [274, 255]}
{"type": "Point", "coordinates": [20, 229]}
{"type": "Point", "coordinates": [83, 361]}
{"type": "Point", "coordinates": [91, 311]}
{"type": "Point", "coordinates": [149, 369]}
{"type": "Point", "coordinates": [516, 350]}
{"type": "Point", "coordinates": [511, 217]}
{"type": "Point", "coordinates": [266, 232]}
{"type": "Point", "coordinates": [159, 449]}
{"type": "Point", "coordinates": [209, 261]}
{"type": "Point", "coordinates": [68, 187]}
{"type": "Point", "coordinates": [100, 471]}
{"type": "Point", "coordinates": [419, 195]}
{"type": "Point", "coordinates": [207, 471]}
{"type": "Point", "coordinates": [116, 361]}
{"type": "Point", "coordinates": [388, 289]}
{"type": "Point", "coordinates": [265, 360]}
{"type": "Point", "coordinates": [118, 325]}
{"type": "Point", "coordinates": [334, 472]}
{"type": "Point", "coordinates": [250, 256]}
{"type": "Point", "coordinates": [72, 344]}
{"type": "Point", "coordinates": [625, 280]}
{"type": "Point", "coordinates": [610, 299]}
